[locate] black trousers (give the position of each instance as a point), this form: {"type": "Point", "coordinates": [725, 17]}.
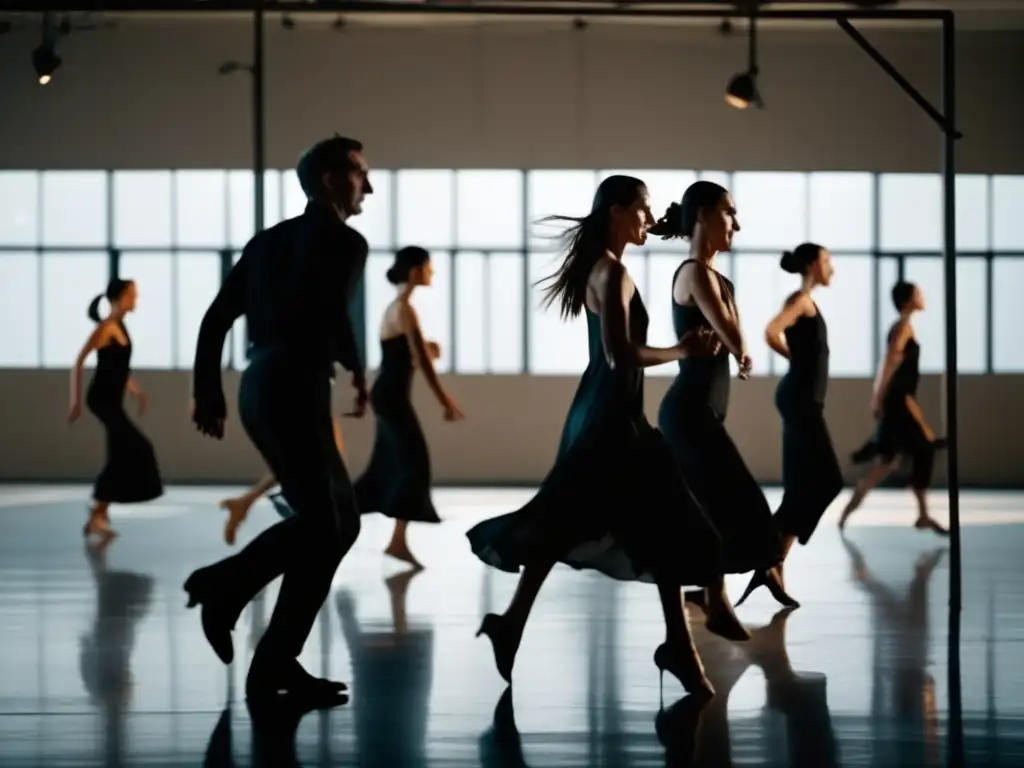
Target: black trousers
{"type": "Point", "coordinates": [287, 415]}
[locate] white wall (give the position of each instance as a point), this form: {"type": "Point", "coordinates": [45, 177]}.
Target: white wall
{"type": "Point", "coordinates": [147, 95]}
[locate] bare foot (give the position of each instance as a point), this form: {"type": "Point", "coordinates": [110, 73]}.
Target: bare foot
{"type": "Point", "coordinates": [401, 552]}
{"type": "Point", "coordinates": [98, 525]}
{"type": "Point", "coordinates": [238, 510]}
{"type": "Point", "coordinates": [930, 524]}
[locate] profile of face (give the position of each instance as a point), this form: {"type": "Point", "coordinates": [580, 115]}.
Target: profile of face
{"type": "Point", "coordinates": [822, 268]}
{"type": "Point", "coordinates": [634, 220]}
{"type": "Point", "coordinates": [348, 188]}
{"type": "Point", "coordinates": [422, 275]}
{"type": "Point", "coordinates": [916, 302]}
{"type": "Point", "coordinates": [719, 223]}
{"type": "Point", "coordinates": [129, 298]}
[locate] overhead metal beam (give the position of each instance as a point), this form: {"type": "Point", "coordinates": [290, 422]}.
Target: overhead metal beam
{"type": "Point", "coordinates": [694, 9]}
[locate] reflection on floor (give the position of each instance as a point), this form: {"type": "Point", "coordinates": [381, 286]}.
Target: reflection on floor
{"type": "Point", "coordinates": [102, 665]}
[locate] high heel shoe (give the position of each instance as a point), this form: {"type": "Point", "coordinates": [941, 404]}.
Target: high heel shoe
{"type": "Point", "coordinates": [504, 648]}
{"type": "Point", "coordinates": [688, 670]}
{"type": "Point", "coordinates": [217, 620]}
{"type": "Point", "coordinates": [770, 579]}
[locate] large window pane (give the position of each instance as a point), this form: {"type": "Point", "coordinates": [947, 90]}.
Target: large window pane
{"type": "Point", "coordinates": [911, 211]}
{"type": "Point", "coordinates": [425, 208]}
{"type": "Point", "coordinates": [376, 222]}
{"type": "Point", "coordinates": [761, 287]}
{"type": "Point", "coordinates": [471, 316]}
{"type": "Point", "coordinates": [19, 208]}
{"type": "Point", "coordinates": [1007, 205]}
{"type": "Point", "coordinates": [238, 349]}
{"type": "Point", "coordinates": [842, 210]}
{"type": "Point", "coordinates": [196, 282]}
{"type": "Point", "coordinates": [971, 340]}
{"type": "Point", "coordinates": [19, 310]}
{"type": "Point", "coordinates": [772, 209]}
{"type": "Point", "coordinates": [929, 325]}
{"type": "Point", "coordinates": [151, 325]}
{"type": "Point", "coordinates": [379, 293]}
{"type": "Point", "coordinates": [556, 347]}
{"type": "Point", "coordinates": [142, 209]}
{"type": "Point", "coordinates": [505, 307]}
{"type": "Point", "coordinates": [70, 281]}
{"type": "Point", "coordinates": [972, 213]}
{"type": "Point", "coordinates": [846, 306]}
{"type": "Point", "coordinates": [74, 208]}
{"type": "Point", "coordinates": [293, 198]}
{"type": "Point", "coordinates": [664, 188]}
{"type": "Point", "coordinates": [722, 178]}
{"type": "Point", "coordinates": [490, 209]}
{"type": "Point", "coordinates": [200, 209]}
{"type": "Point", "coordinates": [550, 193]}
{"type": "Point", "coordinates": [1007, 315]}
{"type": "Point", "coordinates": [888, 273]}
{"type": "Point", "coordinates": [433, 305]}
{"type": "Point", "coordinates": [241, 220]}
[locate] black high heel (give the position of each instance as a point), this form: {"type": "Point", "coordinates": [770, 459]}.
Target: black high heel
{"type": "Point", "coordinates": [688, 671]}
{"type": "Point", "coordinates": [504, 653]}
{"type": "Point", "coordinates": [216, 620]}
{"type": "Point", "coordinates": [774, 585]}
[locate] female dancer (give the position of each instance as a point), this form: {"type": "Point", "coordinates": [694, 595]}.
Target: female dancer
{"type": "Point", "coordinates": [396, 482]}
{"type": "Point", "coordinates": [692, 414]}
{"type": "Point", "coordinates": [238, 507]}
{"type": "Point", "coordinates": [614, 500]}
{"type": "Point", "coordinates": [130, 474]}
{"type": "Point", "coordinates": [811, 475]}
{"type": "Point", "coordinates": [902, 429]}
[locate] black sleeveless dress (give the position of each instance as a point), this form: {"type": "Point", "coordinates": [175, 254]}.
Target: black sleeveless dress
{"type": "Point", "coordinates": [898, 433]}
{"type": "Point", "coordinates": [811, 474]}
{"type": "Point", "coordinates": [614, 501]}
{"type": "Point", "coordinates": [396, 482]}
{"type": "Point", "coordinates": [131, 474]}
{"type": "Point", "coordinates": [692, 418]}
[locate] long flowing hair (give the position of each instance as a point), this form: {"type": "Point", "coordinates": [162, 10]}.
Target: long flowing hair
{"type": "Point", "coordinates": [583, 243]}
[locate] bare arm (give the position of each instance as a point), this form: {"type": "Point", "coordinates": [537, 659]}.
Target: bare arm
{"type": "Point", "coordinates": [918, 414]}
{"type": "Point", "coordinates": [421, 353]}
{"type": "Point", "coordinates": [775, 333]}
{"type": "Point", "coordinates": [98, 338]}
{"type": "Point", "coordinates": [133, 387]}
{"type": "Point", "coordinates": [893, 357]}
{"type": "Point", "coordinates": [708, 296]}
{"type": "Point", "coordinates": [615, 290]}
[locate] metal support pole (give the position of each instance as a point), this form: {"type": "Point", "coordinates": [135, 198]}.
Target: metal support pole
{"type": "Point", "coordinates": [955, 745]}
{"type": "Point", "coordinates": [258, 117]}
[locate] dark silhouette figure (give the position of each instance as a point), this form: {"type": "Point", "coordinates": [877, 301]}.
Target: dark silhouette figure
{"type": "Point", "coordinates": [293, 283]}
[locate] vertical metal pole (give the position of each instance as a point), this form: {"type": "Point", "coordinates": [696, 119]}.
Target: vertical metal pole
{"type": "Point", "coordinates": [258, 141]}
{"type": "Point", "coordinates": [954, 748]}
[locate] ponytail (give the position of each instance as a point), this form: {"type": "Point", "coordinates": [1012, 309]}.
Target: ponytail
{"type": "Point", "coordinates": [94, 309]}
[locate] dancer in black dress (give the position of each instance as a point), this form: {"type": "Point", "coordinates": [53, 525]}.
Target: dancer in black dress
{"type": "Point", "coordinates": [692, 414]}
{"type": "Point", "coordinates": [293, 283]}
{"type": "Point", "coordinates": [131, 474]}
{"type": "Point", "coordinates": [396, 482]}
{"type": "Point", "coordinates": [902, 429]}
{"type": "Point", "coordinates": [811, 475]}
{"type": "Point", "coordinates": [614, 501]}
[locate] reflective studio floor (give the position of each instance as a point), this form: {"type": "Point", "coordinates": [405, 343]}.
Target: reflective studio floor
{"type": "Point", "coordinates": [101, 664]}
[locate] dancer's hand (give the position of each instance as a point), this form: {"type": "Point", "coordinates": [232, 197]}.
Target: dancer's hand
{"type": "Point", "coordinates": [75, 412]}
{"type": "Point", "coordinates": [362, 397]}
{"type": "Point", "coordinates": [746, 365]}
{"type": "Point", "coordinates": [433, 350]}
{"type": "Point", "coordinates": [702, 342]}
{"type": "Point", "coordinates": [452, 412]}
{"type": "Point", "coordinates": [208, 419]}
{"type": "Point", "coordinates": [143, 402]}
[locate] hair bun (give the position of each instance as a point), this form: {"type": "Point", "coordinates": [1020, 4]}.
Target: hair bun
{"type": "Point", "coordinates": [668, 225]}
{"type": "Point", "coordinates": [788, 262]}
{"type": "Point", "coordinates": [392, 275]}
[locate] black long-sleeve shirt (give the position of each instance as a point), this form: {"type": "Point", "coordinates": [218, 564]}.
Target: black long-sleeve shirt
{"type": "Point", "coordinates": [294, 283]}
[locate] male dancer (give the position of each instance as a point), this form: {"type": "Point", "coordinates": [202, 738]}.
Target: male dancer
{"type": "Point", "coordinates": [293, 283]}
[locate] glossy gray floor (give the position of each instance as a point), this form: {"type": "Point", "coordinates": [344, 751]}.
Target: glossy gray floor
{"type": "Point", "coordinates": [101, 664]}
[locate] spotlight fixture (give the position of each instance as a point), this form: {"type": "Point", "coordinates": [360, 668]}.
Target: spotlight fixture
{"type": "Point", "coordinates": [45, 61]}
{"type": "Point", "coordinates": [742, 90]}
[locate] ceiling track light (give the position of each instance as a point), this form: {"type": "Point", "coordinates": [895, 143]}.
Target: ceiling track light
{"type": "Point", "coordinates": [45, 60]}
{"type": "Point", "coordinates": [743, 89]}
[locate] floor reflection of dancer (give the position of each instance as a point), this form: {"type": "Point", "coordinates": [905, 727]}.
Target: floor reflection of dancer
{"type": "Point", "coordinates": [902, 429]}
{"type": "Point", "coordinates": [393, 671]}
{"type": "Point", "coordinates": [130, 474]}
{"type": "Point", "coordinates": [238, 507]}
{"type": "Point", "coordinates": [903, 699]}
{"type": "Point", "coordinates": [692, 413]}
{"type": "Point", "coordinates": [396, 482]}
{"type": "Point", "coordinates": [614, 501]}
{"type": "Point", "coordinates": [122, 599]}
{"type": "Point", "coordinates": [811, 475]}
{"type": "Point", "coordinates": [293, 284]}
